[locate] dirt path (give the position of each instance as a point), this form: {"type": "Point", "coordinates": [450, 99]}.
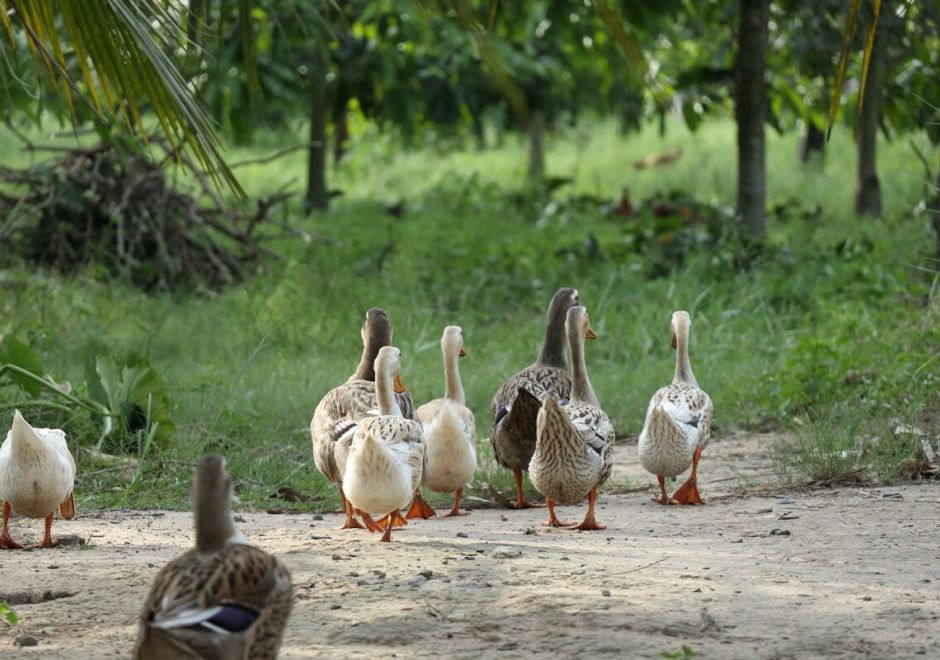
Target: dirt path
{"type": "Point", "coordinates": [856, 575]}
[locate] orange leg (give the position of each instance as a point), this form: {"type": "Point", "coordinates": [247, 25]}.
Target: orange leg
{"type": "Point", "coordinates": [521, 501]}
{"type": "Point", "coordinates": [663, 498]}
{"type": "Point", "coordinates": [455, 511]}
{"type": "Point", "coordinates": [419, 508]}
{"type": "Point", "coordinates": [553, 520]}
{"type": "Point", "coordinates": [6, 543]}
{"type": "Point", "coordinates": [47, 541]}
{"type": "Point", "coordinates": [589, 523]}
{"type": "Point", "coordinates": [387, 536]}
{"type": "Point", "coordinates": [688, 492]}
{"type": "Point", "coordinates": [350, 522]}
{"type": "Point", "coordinates": [371, 525]}
{"type": "Point", "coordinates": [397, 520]}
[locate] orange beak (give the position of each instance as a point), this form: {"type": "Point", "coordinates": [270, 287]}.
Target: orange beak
{"type": "Point", "coordinates": [590, 334]}
{"type": "Point", "coordinates": [399, 386]}
{"type": "Point", "coordinates": [463, 352]}
{"type": "Point", "coordinates": [675, 344]}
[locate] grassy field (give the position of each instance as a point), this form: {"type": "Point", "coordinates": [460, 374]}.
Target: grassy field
{"type": "Point", "coordinates": [833, 330]}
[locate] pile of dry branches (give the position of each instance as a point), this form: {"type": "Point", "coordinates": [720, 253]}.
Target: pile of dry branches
{"type": "Point", "coordinates": [102, 206]}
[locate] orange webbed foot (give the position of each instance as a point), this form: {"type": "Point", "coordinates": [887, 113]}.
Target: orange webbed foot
{"type": "Point", "coordinates": [420, 508]}
{"type": "Point", "coordinates": [6, 543]}
{"type": "Point", "coordinates": [687, 494]}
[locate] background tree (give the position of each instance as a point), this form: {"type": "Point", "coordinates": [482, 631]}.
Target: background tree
{"type": "Point", "coordinates": [750, 108]}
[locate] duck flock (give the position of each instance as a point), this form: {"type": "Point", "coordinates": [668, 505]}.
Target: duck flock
{"type": "Point", "coordinates": [227, 599]}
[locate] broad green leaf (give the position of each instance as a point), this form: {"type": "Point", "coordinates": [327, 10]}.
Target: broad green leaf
{"type": "Point", "coordinates": [15, 352]}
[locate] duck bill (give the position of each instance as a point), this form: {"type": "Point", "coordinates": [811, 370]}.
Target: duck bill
{"type": "Point", "coordinates": [399, 386]}
{"type": "Point", "coordinates": [590, 334]}
{"type": "Point", "coordinates": [463, 352]}
{"type": "Point", "coordinates": [675, 343]}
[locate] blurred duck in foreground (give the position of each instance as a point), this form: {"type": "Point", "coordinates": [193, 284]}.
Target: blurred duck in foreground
{"type": "Point", "coordinates": [37, 476]}
{"type": "Point", "coordinates": [222, 599]}
{"type": "Point", "coordinates": [449, 428]}
{"type": "Point", "coordinates": [575, 441]}
{"type": "Point", "coordinates": [516, 404]}
{"type": "Point", "coordinates": [678, 423]}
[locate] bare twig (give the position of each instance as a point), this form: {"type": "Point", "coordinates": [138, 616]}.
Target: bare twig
{"type": "Point", "coordinates": [280, 153]}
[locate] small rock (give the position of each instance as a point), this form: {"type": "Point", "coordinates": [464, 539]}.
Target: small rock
{"type": "Point", "coordinates": [426, 574]}
{"type": "Point", "coordinates": [52, 567]}
{"type": "Point", "coordinates": [462, 535]}
{"type": "Point", "coordinates": [417, 582]}
{"type": "Point", "coordinates": [529, 531]}
{"type": "Point", "coordinates": [151, 565]}
{"type": "Point", "coordinates": [779, 532]}
{"type": "Point", "coordinates": [605, 592]}
{"type": "Point", "coordinates": [238, 518]}
{"type": "Point", "coordinates": [336, 606]}
{"type": "Point", "coordinates": [503, 518]}
{"type": "Point", "coordinates": [319, 537]}
{"type": "Point", "coordinates": [784, 499]}
{"type": "Point", "coordinates": [505, 552]}
{"type": "Point", "coordinates": [767, 510]}
{"type": "Point", "coordinates": [318, 517]}
{"type": "Point", "coordinates": [577, 571]}
{"type": "Point", "coordinates": [361, 583]}
{"type": "Point", "coordinates": [866, 597]}
{"type": "Point", "coordinates": [353, 574]}
{"type": "Point", "coordinates": [697, 591]}
{"type": "Point", "coordinates": [26, 640]}
{"type": "Point", "coordinates": [336, 557]}
{"type": "Point", "coordinates": [738, 541]}
{"type": "Point", "coordinates": [788, 516]}
{"type": "Point", "coordinates": [379, 574]}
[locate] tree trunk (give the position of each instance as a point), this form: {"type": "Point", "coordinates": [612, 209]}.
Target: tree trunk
{"type": "Point", "coordinates": [316, 167]}
{"type": "Point", "coordinates": [536, 149]}
{"type": "Point", "coordinates": [340, 135]}
{"type": "Point", "coordinates": [867, 187]}
{"type": "Point", "coordinates": [813, 143]}
{"type": "Point", "coordinates": [750, 104]}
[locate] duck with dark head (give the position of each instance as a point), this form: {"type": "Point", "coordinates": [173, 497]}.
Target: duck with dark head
{"type": "Point", "coordinates": [516, 403]}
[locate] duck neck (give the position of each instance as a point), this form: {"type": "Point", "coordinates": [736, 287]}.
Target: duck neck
{"type": "Point", "coordinates": [453, 388]}
{"type": "Point", "coordinates": [366, 368]}
{"type": "Point", "coordinates": [385, 395]}
{"type": "Point", "coordinates": [213, 521]}
{"type": "Point", "coordinates": [553, 348]}
{"type": "Point", "coordinates": [581, 389]}
{"type": "Point", "coordinates": [683, 364]}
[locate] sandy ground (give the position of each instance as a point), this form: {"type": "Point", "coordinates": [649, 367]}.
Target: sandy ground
{"type": "Point", "coordinates": [855, 573]}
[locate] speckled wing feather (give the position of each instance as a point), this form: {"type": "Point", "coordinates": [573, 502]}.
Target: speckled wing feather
{"type": "Point", "coordinates": [188, 589]}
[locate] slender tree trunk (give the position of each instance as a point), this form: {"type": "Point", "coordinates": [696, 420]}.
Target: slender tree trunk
{"type": "Point", "coordinates": [813, 143]}
{"type": "Point", "coordinates": [867, 187]}
{"type": "Point", "coordinates": [536, 149]}
{"type": "Point", "coordinates": [750, 104]}
{"type": "Point", "coordinates": [340, 135]}
{"type": "Point", "coordinates": [316, 168]}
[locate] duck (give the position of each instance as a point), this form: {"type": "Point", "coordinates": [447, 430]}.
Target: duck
{"type": "Point", "coordinates": [37, 477]}
{"type": "Point", "coordinates": [517, 401]}
{"type": "Point", "coordinates": [574, 444]}
{"type": "Point", "coordinates": [342, 406]}
{"type": "Point", "coordinates": [387, 453]}
{"type": "Point", "coordinates": [221, 599]}
{"type": "Point", "coordinates": [678, 423]}
{"type": "Point", "coordinates": [450, 428]}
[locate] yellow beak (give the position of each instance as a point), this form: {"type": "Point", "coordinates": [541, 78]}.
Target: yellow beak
{"type": "Point", "coordinates": [463, 352]}
{"type": "Point", "coordinates": [399, 386]}
{"type": "Point", "coordinates": [590, 334]}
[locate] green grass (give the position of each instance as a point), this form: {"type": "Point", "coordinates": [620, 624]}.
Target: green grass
{"type": "Point", "coordinates": [836, 315]}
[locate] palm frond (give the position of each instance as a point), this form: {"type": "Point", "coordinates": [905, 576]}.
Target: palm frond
{"type": "Point", "coordinates": [120, 47]}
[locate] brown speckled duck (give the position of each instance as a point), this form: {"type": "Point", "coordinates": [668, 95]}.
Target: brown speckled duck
{"type": "Point", "coordinates": [516, 404]}
{"type": "Point", "coordinates": [575, 442]}
{"type": "Point", "coordinates": [386, 458]}
{"type": "Point", "coordinates": [349, 402]}
{"type": "Point", "coordinates": [37, 475]}
{"type": "Point", "coordinates": [222, 599]}
{"type": "Point", "coordinates": [678, 423]}
{"type": "Point", "coordinates": [449, 427]}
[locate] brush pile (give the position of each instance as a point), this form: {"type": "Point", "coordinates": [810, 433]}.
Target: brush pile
{"type": "Point", "coordinates": [105, 208]}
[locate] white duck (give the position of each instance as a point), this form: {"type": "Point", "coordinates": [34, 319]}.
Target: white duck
{"type": "Point", "coordinates": [386, 457]}
{"type": "Point", "coordinates": [574, 443]}
{"type": "Point", "coordinates": [449, 428]}
{"type": "Point", "coordinates": [678, 423]}
{"type": "Point", "coordinates": [37, 476]}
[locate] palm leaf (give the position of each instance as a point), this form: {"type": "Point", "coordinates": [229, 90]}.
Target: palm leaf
{"type": "Point", "coordinates": [869, 44]}
{"type": "Point", "coordinates": [121, 49]}
{"type": "Point", "coordinates": [848, 34]}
